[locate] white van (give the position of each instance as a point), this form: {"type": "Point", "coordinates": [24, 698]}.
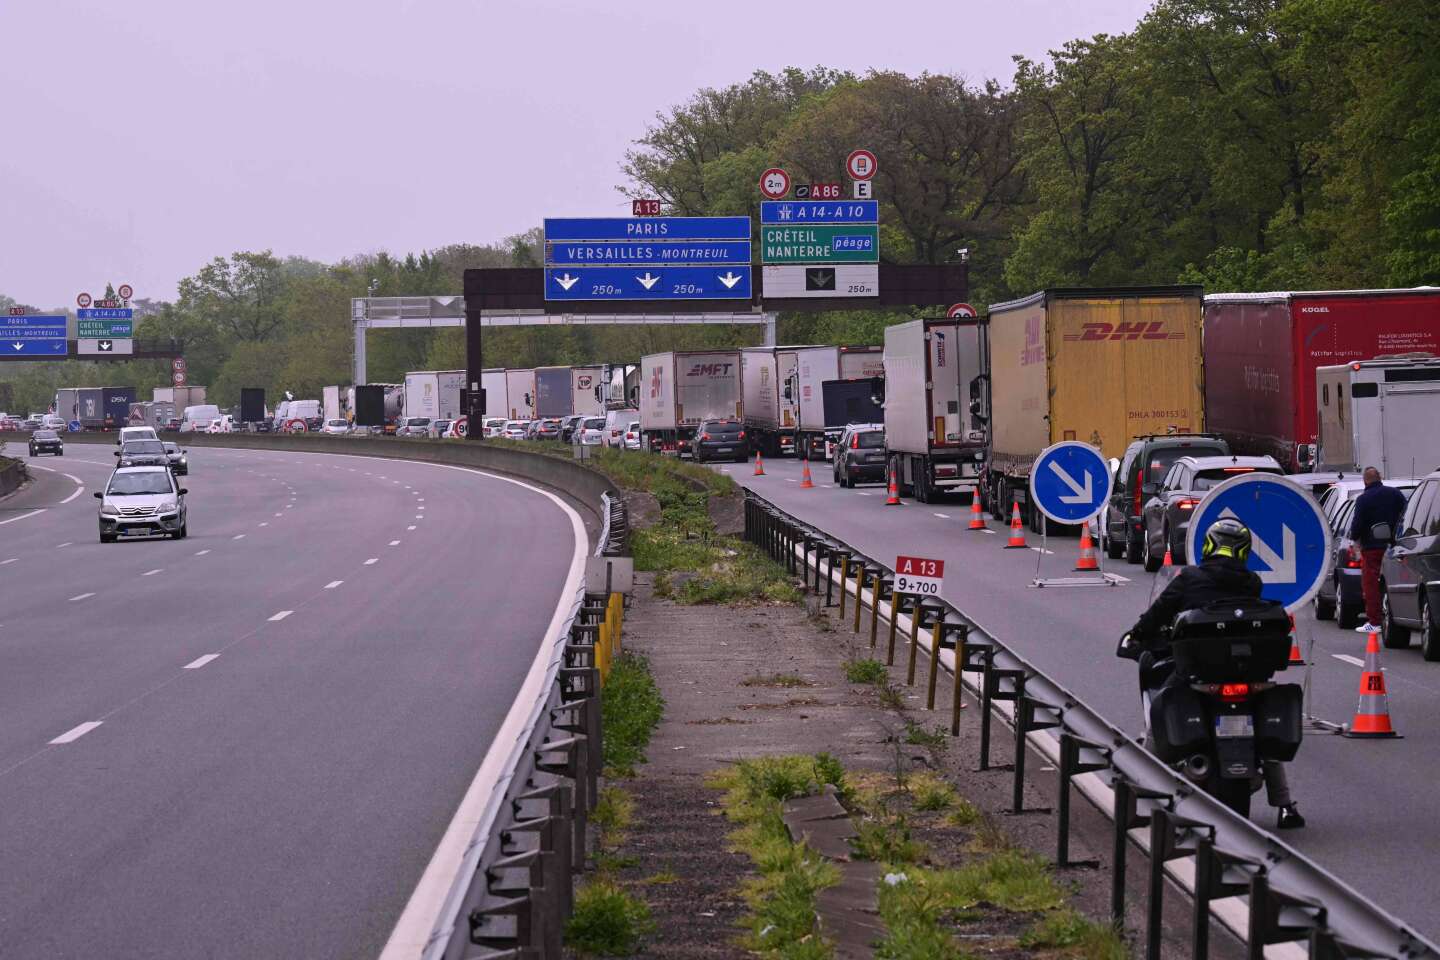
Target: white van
{"type": "Point", "coordinates": [136, 433]}
{"type": "Point", "coordinates": [616, 422]}
{"type": "Point", "coordinates": [199, 417]}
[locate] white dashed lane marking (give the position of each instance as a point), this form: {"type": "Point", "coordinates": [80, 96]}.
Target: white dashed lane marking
{"type": "Point", "coordinates": [70, 736]}
{"type": "Point", "coordinates": [199, 662]}
{"type": "Point", "coordinates": [238, 536]}
{"type": "Point", "coordinates": [372, 560]}
{"type": "Point", "coordinates": [81, 597]}
{"type": "Point", "coordinates": [411, 527]}
{"type": "Point", "coordinates": [943, 516]}
{"type": "Point", "coordinates": [333, 584]}
{"type": "Point", "coordinates": [1346, 658]}
{"type": "Point", "coordinates": [281, 615]}
{"type": "Point", "coordinates": [151, 573]}
{"type": "Point", "coordinates": [65, 544]}
{"type": "Point", "coordinates": [13, 559]}
{"type": "Point", "coordinates": [201, 553]}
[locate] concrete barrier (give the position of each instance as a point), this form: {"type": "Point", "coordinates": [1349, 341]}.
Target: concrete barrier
{"type": "Point", "coordinates": [579, 483]}
{"type": "Point", "coordinates": [12, 474]}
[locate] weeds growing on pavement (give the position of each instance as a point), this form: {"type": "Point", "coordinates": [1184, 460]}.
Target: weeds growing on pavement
{"type": "Point", "coordinates": [891, 697]}
{"type": "Point", "coordinates": [931, 793]}
{"type": "Point", "coordinates": [917, 735]}
{"type": "Point", "coordinates": [630, 709]}
{"type": "Point", "coordinates": [612, 816]}
{"type": "Point", "coordinates": [1075, 936]}
{"type": "Point", "coordinates": [866, 670]}
{"type": "Point", "coordinates": [784, 680]}
{"type": "Point", "coordinates": [782, 898]}
{"type": "Point", "coordinates": [607, 920]}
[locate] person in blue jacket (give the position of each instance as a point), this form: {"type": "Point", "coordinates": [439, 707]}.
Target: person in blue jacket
{"type": "Point", "coordinates": [1379, 504]}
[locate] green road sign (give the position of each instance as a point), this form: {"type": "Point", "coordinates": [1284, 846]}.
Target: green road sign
{"type": "Point", "coordinates": [103, 329]}
{"type": "Point", "coordinates": [829, 243]}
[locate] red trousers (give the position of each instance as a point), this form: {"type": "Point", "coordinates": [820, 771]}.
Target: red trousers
{"type": "Point", "coordinates": [1370, 583]}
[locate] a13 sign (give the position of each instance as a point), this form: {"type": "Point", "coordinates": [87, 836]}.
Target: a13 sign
{"type": "Point", "coordinates": [919, 575]}
{"type": "Point", "coordinates": [645, 208]}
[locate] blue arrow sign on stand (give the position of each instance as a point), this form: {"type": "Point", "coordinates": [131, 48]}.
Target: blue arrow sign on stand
{"type": "Point", "coordinates": [1291, 542]}
{"type": "Point", "coordinates": [603, 253]}
{"type": "Point", "coordinates": [34, 336]}
{"type": "Point", "coordinates": [647, 228]}
{"type": "Point", "coordinates": [1070, 482]}
{"type": "Point", "coordinates": [647, 283]}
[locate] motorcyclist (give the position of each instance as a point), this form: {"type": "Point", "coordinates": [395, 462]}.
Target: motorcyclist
{"type": "Point", "coordinates": [1220, 575]}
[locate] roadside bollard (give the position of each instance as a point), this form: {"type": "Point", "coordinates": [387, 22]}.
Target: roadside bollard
{"type": "Point", "coordinates": [875, 592]}
{"type": "Point", "coordinates": [914, 643]}
{"type": "Point", "coordinates": [894, 621]}
{"type": "Point", "coordinates": [958, 688]}
{"type": "Point", "coordinates": [844, 583]}
{"type": "Point", "coordinates": [859, 594]}
{"type": "Point", "coordinates": [934, 660]}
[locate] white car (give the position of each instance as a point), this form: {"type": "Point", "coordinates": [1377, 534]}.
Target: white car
{"type": "Point", "coordinates": [337, 427]}
{"type": "Point", "coordinates": [142, 501]}
{"type": "Point", "coordinates": [632, 435]}
{"type": "Point", "coordinates": [591, 432]}
{"type": "Point", "coordinates": [222, 424]}
{"type": "Point", "coordinates": [515, 429]}
{"type": "Point", "coordinates": [494, 427]}
{"type": "Point", "coordinates": [52, 421]}
{"type": "Point", "coordinates": [135, 433]}
{"type": "Point", "coordinates": [412, 427]}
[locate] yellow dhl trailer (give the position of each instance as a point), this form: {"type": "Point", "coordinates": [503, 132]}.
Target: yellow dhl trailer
{"type": "Point", "coordinates": [1101, 365]}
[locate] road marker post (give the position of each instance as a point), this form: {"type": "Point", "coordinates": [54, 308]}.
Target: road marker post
{"type": "Point", "coordinates": [875, 591]}
{"type": "Point", "coordinates": [859, 593]}
{"type": "Point", "coordinates": [934, 659]}
{"type": "Point", "coordinates": [844, 583]}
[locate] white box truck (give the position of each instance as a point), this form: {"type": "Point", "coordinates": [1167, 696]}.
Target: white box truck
{"type": "Point", "coordinates": [679, 390]}
{"type": "Point", "coordinates": [493, 383]}
{"type": "Point", "coordinates": [330, 402]}
{"type": "Point", "coordinates": [935, 439]}
{"type": "Point", "coordinates": [1380, 413]}
{"type": "Point", "coordinates": [434, 393]}
{"type": "Point", "coordinates": [586, 397]}
{"type": "Point", "coordinates": [769, 419]}
{"type": "Point", "coordinates": [520, 394]}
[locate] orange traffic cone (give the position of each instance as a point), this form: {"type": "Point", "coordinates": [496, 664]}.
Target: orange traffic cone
{"type": "Point", "coordinates": [1297, 659]}
{"type": "Point", "coordinates": [1168, 561]}
{"type": "Point", "coordinates": [759, 465]}
{"type": "Point", "coordinates": [805, 481]}
{"type": "Point", "coordinates": [1017, 529]}
{"type": "Point", "coordinates": [977, 518]}
{"type": "Point", "coordinates": [1087, 560]}
{"type": "Point", "coordinates": [1372, 716]}
{"type": "Point", "coordinates": [893, 500]}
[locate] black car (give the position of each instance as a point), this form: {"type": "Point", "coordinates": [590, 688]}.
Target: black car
{"type": "Point", "coordinates": [721, 440]}
{"type": "Point", "coordinates": [179, 459]}
{"type": "Point", "coordinates": [1170, 503]}
{"type": "Point", "coordinates": [1410, 574]}
{"type": "Point", "coordinates": [860, 455]}
{"type": "Point", "coordinates": [143, 453]}
{"type": "Point", "coordinates": [568, 426]}
{"type": "Point", "coordinates": [46, 441]}
{"type": "Point", "coordinates": [1146, 460]}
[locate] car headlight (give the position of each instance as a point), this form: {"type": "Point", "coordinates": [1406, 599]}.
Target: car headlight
{"type": "Point", "coordinates": [168, 506]}
{"type": "Point", "coordinates": [108, 509]}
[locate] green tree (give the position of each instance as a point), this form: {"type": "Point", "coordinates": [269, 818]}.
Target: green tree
{"type": "Point", "coordinates": [240, 296]}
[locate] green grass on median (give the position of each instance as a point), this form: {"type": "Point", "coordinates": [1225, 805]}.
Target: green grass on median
{"type": "Point", "coordinates": [630, 709]}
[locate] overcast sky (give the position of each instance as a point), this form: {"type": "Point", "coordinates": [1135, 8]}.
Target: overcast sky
{"type": "Point", "coordinates": [144, 138]}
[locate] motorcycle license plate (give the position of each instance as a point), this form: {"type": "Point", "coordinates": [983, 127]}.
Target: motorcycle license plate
{"type": "Point", "coordinates": [1235, 725]}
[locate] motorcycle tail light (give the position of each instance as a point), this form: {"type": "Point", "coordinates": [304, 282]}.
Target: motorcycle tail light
{"type": "Point", "coordinates": [1234, 692]}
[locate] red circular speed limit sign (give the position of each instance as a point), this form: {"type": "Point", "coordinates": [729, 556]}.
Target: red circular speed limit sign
{"type": "Point", "coordinates": [178, 364]}
{"type": "Point", "coordinates": [178, 378]}
{"type": "Point", "coordinates": [125, 291]}
{"type": "Point", "coordinates": [774, 183]}
{"type": "Point", "coordinates": [861, 165]}
{"type": "Point", "coordinates": [960, 310]}
{"type": "Point", "coordinates": [83, 301]}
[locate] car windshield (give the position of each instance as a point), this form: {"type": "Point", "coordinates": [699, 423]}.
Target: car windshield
{"type": "Point", "coordinates": [1163, 459]}
{"type": "Point", "coordinates": [139, 484]}
{"type": "Point", "coordinates": [46, 435]}
{"type": "Point", "coordinates": [1206, 479]}
{"type": "Point", "coordinates": [597, 423]}
{"type": "Point", "coordinates": [872, 439]}
{"type": "Point", "coordinates": [133, 447]}
{"type": "Point", "coordinates": [634, 425]}
{"type": "Point", "coordinates": [723, 428]}
{"type": "Point", "coordinates": [336, 423]}
{"type": "Point", "coordinates": [420, 421]}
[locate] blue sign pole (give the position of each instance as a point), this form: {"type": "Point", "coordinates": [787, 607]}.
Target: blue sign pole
{"type": "Point", "coordinates": [1070, 482]}
{"type": "Point", "coordinates": [1291, 542]}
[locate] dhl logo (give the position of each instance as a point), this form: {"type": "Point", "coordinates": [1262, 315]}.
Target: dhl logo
{"type": "Point", "coordinates": [1153, 330]}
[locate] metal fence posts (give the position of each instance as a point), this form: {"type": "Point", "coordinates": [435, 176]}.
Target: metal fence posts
{"type": "Point", "coordinates": [1171, 837]}
{"type": "Point", "coordinates": [1075, 758]}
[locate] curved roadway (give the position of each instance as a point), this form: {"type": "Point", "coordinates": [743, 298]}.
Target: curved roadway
{"type": "Point", "coordinates": [248, 743]}
{"type": "Point", "coordinates": [1369, 803]}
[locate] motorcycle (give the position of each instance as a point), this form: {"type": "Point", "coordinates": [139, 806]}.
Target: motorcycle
{"type": "Point", "coordinates": [1215, 713]}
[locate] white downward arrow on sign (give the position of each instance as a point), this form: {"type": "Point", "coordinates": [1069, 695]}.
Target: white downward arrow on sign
{"type": "Point", "coordinates": [648, 281]}
{"type": "Point", "coordinates": [18, 346]}
{"type": "Point", "coordinates": [567, 281]}
{"type": "Point", "coordinates": [730, 279]}
{"type": "Point", "coordinates": [1282, 565]}
{"type": "Point", "coordinates": [1085, 494]}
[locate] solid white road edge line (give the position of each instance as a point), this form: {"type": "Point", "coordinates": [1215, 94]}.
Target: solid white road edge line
{"type": "Point", "coordinates": [199, 662]}
{"type": "Point", "coordinates": [434, 891]}
{"type": "Point", "coordinates": [70, 736]}
{"type": "Point", "coordinates": [22, 516]}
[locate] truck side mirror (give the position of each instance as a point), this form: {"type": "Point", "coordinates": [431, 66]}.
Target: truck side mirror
{"type": "Point", "coordinates": [1305, 454]}
{"type": "Point", "coordinates": [877, 391]}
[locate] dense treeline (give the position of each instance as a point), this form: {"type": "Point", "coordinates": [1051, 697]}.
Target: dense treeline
{"type": "Point", "coordinates": [1242, 144]}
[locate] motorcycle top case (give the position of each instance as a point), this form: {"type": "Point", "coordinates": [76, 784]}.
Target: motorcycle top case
{"type": "Point", "coordinates": [1279, 721]}
{"type": "Point", "coordinates": [1179, 723]}
{"type": "Point", "coordinates": [1232, 641]}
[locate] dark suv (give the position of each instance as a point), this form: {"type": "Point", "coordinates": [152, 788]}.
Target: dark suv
{"type": "Point", "coordinates": [860, 455]}
{"type": "Point", "coordinates": [1146, 460]}
{"type": "Point", "coordinates": [721, 440]}
{"type": "Point", "coordinates": [1410, 573]}
{"type": "Point", "coordinates": [1170, 503]}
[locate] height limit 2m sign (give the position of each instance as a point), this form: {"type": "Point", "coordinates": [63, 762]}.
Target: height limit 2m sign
{"type": "Point", "coordinates": [919, 576]}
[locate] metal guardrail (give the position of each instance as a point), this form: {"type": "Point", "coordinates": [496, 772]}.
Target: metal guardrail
{"type": "Point", "coordinates": [1289, 899]}
{"type": "Point", "coordinates": [515, 888]}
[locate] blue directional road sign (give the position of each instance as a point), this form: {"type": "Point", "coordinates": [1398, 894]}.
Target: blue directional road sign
{"type": "Point", "coordinates": [819, 211]}
{"type": "Point", "coordinates": [647, 228]}
{"type": "Point", "coordinates": [106, 313]}
{"type": "Point", "coordinates": [648, 283]}
{"type": "Point", "coordinates": [1070, 482]}
{"type": "Point", "coordinates": [1291, 545]}
{"type": "Point", "coordinates": [658, 252]}
{"type": "Point", "coordinates": [35, 336]}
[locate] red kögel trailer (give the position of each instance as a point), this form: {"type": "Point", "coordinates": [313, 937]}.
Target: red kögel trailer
{"type": "Point", "coordinates": [1261, 351]}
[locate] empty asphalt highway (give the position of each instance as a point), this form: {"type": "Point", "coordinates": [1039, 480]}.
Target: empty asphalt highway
{"type": "Point", "coordinates": [249, 742]}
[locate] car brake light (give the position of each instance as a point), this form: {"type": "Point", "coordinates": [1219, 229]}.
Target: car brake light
{"type": "Point", "coordinates": [1239, 469]}
{"type": "Point", "coordinates": [1234, 692]}
{"type": "Point", "coordinates": [1187, 504]}
{"type": "Point", "coordinates": [1353, 560]}
{"type": "Point", "coordinates": [742, 435]}
{"type": "Point", "coordinates": [1136, 487]}
{"type": "Point", "coordinates": [704, 436]}
{"type": "Point", "coordinates": [855, 442]}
